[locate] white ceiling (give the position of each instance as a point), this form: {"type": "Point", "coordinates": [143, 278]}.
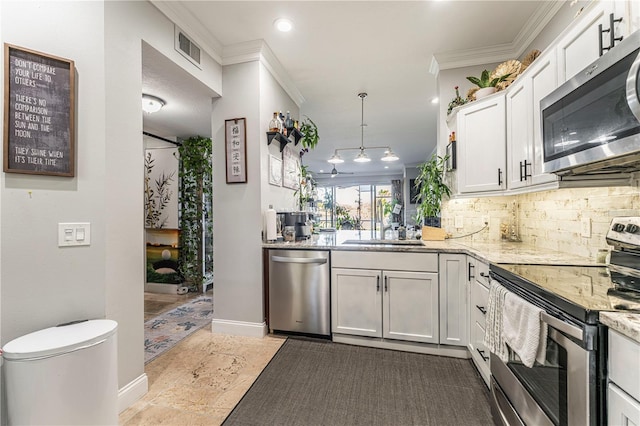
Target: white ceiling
{"type": "Point", "coordinates": [340, 48]}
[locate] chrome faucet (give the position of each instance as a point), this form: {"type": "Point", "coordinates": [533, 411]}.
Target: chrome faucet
{"type": "Point", "coordinates": [384, 230]}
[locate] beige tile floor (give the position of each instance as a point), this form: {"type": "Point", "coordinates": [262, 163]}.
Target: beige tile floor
{"type": "Point", "coordinates": [157, 303]}
{"type": "Point", "coordinates": [201, 379]}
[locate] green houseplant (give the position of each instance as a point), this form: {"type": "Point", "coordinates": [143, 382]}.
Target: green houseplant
{"type": "Point", "coordinates": [310, 134]}
{"type": "Point", "coordinates": [196, 191]}
{"type": "Point", "coordinates": [431, 188]}
{"type": "Point", "coordinates": [486, 84]}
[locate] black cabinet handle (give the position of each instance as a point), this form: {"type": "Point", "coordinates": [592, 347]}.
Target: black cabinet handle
{"type": "Point", "coordinates": [471, 265]}
{"type": "Point", "coordinates": [484, 358]}
{"type": "Point", "coordinates": [482, 309]}
{"type": "Point", "coordinates": [499, 177]}
{"type": "Point", "coordinates": [386, 288]}
{"type": "Point", "coordinates": [378, 283]}
{"type": "Point", "coordinates": [521, 178]}
{"type": "Point", "coordinates": [523, 170]}
{"type": "Point", "coordinates": [482, 274]}
{"type": "Point", "coordinates": [601, 48]}
{"type": "Point", "coordinates": [612, 32]}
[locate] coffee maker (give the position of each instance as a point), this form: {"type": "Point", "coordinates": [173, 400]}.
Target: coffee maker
{"type": "Point", "coordinates": [301, 222]}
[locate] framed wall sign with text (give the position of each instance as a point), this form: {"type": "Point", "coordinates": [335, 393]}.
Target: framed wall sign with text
{"type": "Point", "coordinates": [235, 131]}
{"type": "Point", "coordinates": [39, 108]}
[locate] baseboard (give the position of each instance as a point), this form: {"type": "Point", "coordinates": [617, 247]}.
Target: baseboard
{"type": "Point", "coordinates": [239, 328]}
{"type": "Point", "coordinates": [132, 391]}
{"type": "Point", "coordinates": [398, 345]}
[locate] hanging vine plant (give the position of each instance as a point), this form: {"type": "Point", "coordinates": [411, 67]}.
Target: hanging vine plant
{"type": "Point", "coordinates": [196, 191]}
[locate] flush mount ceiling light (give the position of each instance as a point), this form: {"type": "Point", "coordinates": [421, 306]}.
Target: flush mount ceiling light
{"type": "Point", "coordinates": [283, 24]}
{"type": "Point", "coordinates": [362, 156]}
{"type": "Point", "coordinates": [151, 104]}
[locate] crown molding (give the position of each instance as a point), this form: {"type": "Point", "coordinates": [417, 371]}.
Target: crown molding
{"type": "Point", "coordinates": [259, 50]}
{"type": "Point", "coordinates": [180, 16]}
{"type": "Point", "coordinates": [502, 52]}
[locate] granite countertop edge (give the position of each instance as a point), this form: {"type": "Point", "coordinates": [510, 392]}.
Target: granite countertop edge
{"type": "Point", "coordinates": [627, 324]}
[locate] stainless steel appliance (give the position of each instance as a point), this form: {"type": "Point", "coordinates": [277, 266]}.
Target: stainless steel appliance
{"type": "Point", "coordinates": [570, 387]}
{"type": "Point", "coordinates": [302, 223]}
{"type": "Point", "coordinates": [591, 123]}
{"type": "Point", "coordinates": [299, 298]}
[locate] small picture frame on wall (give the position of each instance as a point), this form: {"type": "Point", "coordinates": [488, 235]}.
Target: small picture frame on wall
{"type": "Point", "coordinates": [451, 156]}
{"type": "Point", "coordinates": [275, 170]}
{"type": "Point", "coordinates": [235, 131]}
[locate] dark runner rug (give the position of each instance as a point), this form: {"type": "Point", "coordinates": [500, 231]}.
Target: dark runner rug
{"type": "Point", "coordinates": [164, 331]}
{"type": "Point", "coordinates": [322, 383]}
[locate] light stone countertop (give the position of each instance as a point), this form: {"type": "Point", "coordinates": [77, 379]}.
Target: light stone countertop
{"type": "Point", "coordinates": [624, 323]}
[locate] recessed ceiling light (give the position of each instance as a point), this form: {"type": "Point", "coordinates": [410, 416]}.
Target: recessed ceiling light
{"type": "Point", "coordinates": [386, 167]}
{"type": "Point", "coordinates": [283, 24]}
{"type": "Point", "coordinates": [435, 100]}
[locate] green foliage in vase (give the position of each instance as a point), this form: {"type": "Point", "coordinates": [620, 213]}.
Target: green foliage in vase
{"type": "Point", "coordinates": [431, 188]}
{"type": "Point", "coordinates": [485, 79]}
{"type": "Point", "coordinates": [196, 193]}
{"type": "Point", "coordinates": [157, 197]}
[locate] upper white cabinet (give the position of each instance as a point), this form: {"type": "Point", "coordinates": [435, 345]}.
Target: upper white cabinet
{"type": "Point", "coordinates": [582, 44]}
{"type": "Point", "coordinates": [524, 132]}
{"type": "Point", "coordinates": [482, 145]}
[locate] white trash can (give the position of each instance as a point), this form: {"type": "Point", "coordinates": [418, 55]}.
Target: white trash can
{"type": "Point", "coordinates": [64, 375]}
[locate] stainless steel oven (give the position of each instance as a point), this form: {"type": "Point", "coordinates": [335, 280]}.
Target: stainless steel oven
{"type": "Point", "coordinates": [563, 390]}
{"type": "Point", "coordinates": [569, 388]}
{"type": "Point", "coordinates": [591, 123]}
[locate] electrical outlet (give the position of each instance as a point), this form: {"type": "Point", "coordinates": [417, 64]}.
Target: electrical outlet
{"type": "Point", "coordinates": [485, 220]}
{"type": "Point", "coordinates": [585, 227]}
{"type": "Point", "coordinates": [458, 222]}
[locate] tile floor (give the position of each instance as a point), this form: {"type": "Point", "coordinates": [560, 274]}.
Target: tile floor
{"type": "Point", "coordinates": [157, 303]}
{"type": "Point", "coordinates": [201, 379]}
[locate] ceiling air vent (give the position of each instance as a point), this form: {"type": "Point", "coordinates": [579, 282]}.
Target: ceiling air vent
{"type": "Point", "coordinates": [187, 48]}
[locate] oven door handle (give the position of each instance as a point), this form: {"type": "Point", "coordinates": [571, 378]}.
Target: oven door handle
{"type": "Point", "coordinates": [562, 326]}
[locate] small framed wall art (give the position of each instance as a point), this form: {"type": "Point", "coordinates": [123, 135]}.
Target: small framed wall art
{"type": "Point", "coordinates": [235, 148]}
{"type": "Point", "coordinates": [39, 108]}
{"type": "Point", "coordinates": [275, 170]}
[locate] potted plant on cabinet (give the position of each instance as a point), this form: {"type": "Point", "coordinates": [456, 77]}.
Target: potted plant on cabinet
{"type": "Point", "coordinates": [486, 84]}
{"type": "Point", "coordinates": [431, 188]}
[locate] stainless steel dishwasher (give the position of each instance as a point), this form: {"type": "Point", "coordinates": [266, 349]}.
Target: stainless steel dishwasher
{"type": "Point", "coordinates": [299, 298]}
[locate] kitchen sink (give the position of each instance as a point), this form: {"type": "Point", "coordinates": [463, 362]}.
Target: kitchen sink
{"type": "Point", "coordinates": [385, 242]}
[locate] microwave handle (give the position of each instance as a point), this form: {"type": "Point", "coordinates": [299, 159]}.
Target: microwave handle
{"type": "Point", "coordinates": [633, 86]}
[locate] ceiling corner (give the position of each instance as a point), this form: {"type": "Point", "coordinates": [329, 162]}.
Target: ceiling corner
{"type": "Point", "coordinates": [180, 16]}
{"type": "Point", "coordinates": [271, 62]}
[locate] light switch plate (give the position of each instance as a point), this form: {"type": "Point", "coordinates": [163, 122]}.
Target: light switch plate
{"type": "Point", "coordinates": [74, 234]}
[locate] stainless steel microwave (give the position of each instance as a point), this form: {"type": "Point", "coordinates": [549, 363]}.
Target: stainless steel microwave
{"type": "Point", "coordinates": [591, 123]}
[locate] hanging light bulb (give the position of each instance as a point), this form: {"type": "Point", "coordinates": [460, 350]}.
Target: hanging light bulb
{"type": "Point", "coordinates": [335, 158]}
{"type": "Point", "coordinates": [389, 155]}
{"type": "Point", "coordinates": [362, 157]}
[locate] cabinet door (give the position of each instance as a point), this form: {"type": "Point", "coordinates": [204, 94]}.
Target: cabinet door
{"type": "Point", "coordinates": [579, 46]}
{"type": "Point", "coordinates": [519, 152]}
{"type": "Point", "coordinates": [472, 271]}
{"type": "Point", "coordinates": [482, 145]}
{"type": "Point", "coordinates": [410, 306]}
{"type": "Point", "coordinates": [453, 300]}
{"type": "Point", "coordinates": [543, 79]}
{"type": "Point", "coordinates": [622, 409]}
{"type": "Point", "coordinates": [356, 302]}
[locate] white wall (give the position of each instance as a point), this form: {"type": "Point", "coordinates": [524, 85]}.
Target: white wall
{"type": "Point", "coordinates": [43, 285]}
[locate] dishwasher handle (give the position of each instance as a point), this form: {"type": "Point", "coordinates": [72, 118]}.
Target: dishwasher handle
{"type": "Point", "coordinates": [316, 260]}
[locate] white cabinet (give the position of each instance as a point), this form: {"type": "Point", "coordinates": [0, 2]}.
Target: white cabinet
{"type": "Point", "coordinates": [389, 303]}
{"type": "Point", "coordinates": [623, 390]}
{"type": "Point", "coordinates": [579, 46]}
{"type": "Point", "coordinates": [453, 300]}
{"type": "Point", "coordinates": [482, 145]}
{"type": "Point", "coordinates": [524, 131]}
{"type": "Point", "coordinates": [478, 276]}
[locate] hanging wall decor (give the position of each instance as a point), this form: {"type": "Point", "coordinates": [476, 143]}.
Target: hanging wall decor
{"type": "Point", "coordinates": [235, 147]}
{"type": "Point", "coordinates": [39, 105]}
{"type": "Point", "coordinates": [290, 168]}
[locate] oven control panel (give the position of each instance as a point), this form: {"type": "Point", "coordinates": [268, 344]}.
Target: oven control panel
{"type": "Point", "coordinates": [624, 232]}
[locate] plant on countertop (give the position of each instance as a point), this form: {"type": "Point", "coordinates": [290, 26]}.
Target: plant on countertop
{"type": "Point", "coordinates": [485, 79]}
{"type": "Point", "coordinates": [196, 192]}
{"type": "Point", "coordinates": [431, 188]}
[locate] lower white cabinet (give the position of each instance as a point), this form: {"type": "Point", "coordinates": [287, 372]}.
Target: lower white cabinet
{"type": "Point", "coordinates": [623, 390]}
{"type": "Point", "coordinates": [453, 299]}
{"type": "Point", "coordinates": [478, 278]}
{"type": "Point", "coordinates": [398, 305]}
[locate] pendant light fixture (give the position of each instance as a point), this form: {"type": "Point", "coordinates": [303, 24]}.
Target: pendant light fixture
{"type": "Point", "coordinates": [151, 104]}
{"type": "Point", "coordinates": [362, 156]}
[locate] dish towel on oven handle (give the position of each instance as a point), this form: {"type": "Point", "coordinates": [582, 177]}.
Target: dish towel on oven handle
{"type": "Point", "coordinates": [523, 330]}
{"type": "Point", "coordinates": [493, 336]}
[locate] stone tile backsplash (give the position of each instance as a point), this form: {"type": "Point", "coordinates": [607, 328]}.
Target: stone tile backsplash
{"type": "Point", "coordinates": [548, 219]}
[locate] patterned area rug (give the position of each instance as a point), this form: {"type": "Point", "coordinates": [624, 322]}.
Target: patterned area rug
{"type": "Point", "coordinates": [164, 331]}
